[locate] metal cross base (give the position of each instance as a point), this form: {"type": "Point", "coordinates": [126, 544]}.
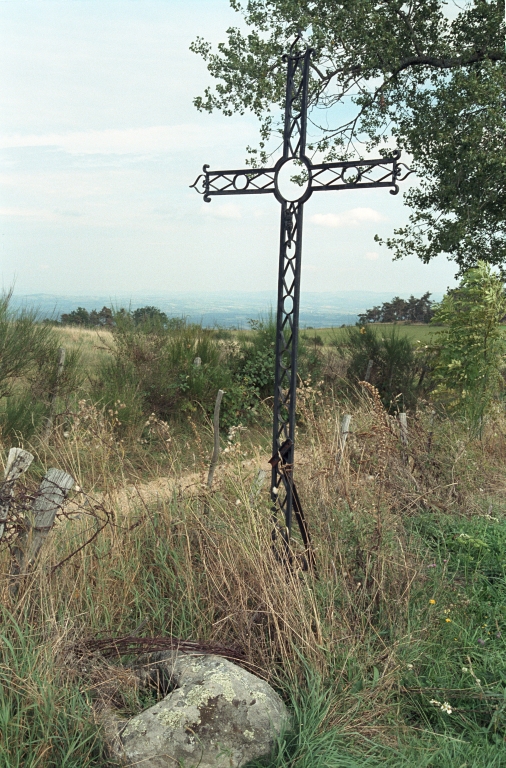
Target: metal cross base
{"type": "Point", "coordinates": [309, 178]}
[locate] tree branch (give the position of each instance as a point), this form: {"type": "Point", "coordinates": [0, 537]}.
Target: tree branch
{"type": "Point", "coordinates": [450, 63]}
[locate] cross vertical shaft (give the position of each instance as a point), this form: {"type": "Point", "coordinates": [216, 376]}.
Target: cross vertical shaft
{"type": "Point", "coordinates": [287, 318]}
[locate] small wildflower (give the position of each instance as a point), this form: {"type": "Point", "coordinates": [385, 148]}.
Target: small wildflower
{"type": "Point", "coordinates": [481, 641]}
{"type": "Point", "coordinates": [66, 434]}
{"type": "Point", "coordinates": [432, 602]}
{"type": "Point", "coordinates": [445, 706]}
{"type": "Point", "coordinates": [238, 502]}
{"type": "Point", "coordinates": [432, 565]}
{"type": "Point", "coordinates": [409, 666]}
{"type": "Point", "coordinates": [448, 621]}
{"type": "Point", "coordinates": [465, 669]}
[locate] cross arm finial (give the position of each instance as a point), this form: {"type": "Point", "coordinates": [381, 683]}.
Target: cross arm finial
{"type": "Point", "coordinates": [245, 181]}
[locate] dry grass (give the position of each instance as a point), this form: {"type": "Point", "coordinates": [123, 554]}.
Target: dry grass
{"type": "Point", "coordinates": [93, 344]}
{"type": "Point", "coordinates": [164, 565]}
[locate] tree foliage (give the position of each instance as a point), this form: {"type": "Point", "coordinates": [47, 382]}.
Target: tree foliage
{"type": "Point", "coordinates": [399, 310]}
{"type": "Point", "coordinates": [472, 347]}
{"type": "Point", "coordinates": [82, 317]}
{"type": "Point", "coordinates": [405, 75]}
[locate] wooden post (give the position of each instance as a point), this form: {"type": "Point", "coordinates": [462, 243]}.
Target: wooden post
{"type": "Point", "coordinates": [54, 395]}
{"type": "Point", "coordinates": [18, 462]}
{"type": "Point", "coordinates": [343, 437]}
{"type": "Point", "coordinates": [50, 498]}
{"type": "Point", "coordinates": [369, 370]}
{"type": "Point", "coordinates": [403, 424]}
{"type": "Point", "coordinates": [216, 450]}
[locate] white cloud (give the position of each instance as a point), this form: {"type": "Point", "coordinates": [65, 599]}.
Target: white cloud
{"type": "Point", "coordinates": [372, 255]}
{"type": "Point", "coordinates": [137, 141]}
{"type": "Point", "coordinates": [351, 218]}
{"type": "Point", "coordinates": [223, 211]}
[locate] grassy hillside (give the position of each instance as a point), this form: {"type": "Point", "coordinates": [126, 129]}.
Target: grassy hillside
{"type": "Point", "coordinates": [392, 654]}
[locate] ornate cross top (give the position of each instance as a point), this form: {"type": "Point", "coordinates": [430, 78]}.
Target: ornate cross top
{"type": "Point", "coordinates": [294, 166]}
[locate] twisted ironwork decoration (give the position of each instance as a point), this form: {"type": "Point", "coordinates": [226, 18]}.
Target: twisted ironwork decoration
{"type": "Point", "coordinates": [310, 178]}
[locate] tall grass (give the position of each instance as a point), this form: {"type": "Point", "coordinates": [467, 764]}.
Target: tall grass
{"type": "Point", "coordinates": [409, 590]}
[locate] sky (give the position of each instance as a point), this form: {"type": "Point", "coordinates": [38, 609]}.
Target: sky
{"type": "Point", "coordinates": [99, 142]}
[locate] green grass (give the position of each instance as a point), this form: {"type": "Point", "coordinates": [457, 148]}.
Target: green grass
{"type": "Point", "coordinates": [415, 333]}
{"type": "Point", "coordinates": [45, 719]}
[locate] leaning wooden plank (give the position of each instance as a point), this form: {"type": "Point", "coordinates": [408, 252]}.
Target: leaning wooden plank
{"type": "Point", "coordinates": [18, 462]}
{"type": "Point", "coordinates": [50, 498]}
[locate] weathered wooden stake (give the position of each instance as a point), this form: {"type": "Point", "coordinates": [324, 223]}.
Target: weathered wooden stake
{"type": "Point", "coordinates": [50, 498]}
{"type": "Point", "coordinates": [18, 462]}
{"type": "Point", "coordinates": [343, 437]}
{"type": "Point", "coordinates": [403, 424]}
{"type": "Point", "coordinates": [54, 395]}
{"type": "Point", "coordinates": [368, 370]}
{"type": "Point", "coordinates": [216, 450]}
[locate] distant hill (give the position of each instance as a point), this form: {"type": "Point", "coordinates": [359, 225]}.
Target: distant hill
{"type": "Point", "coordinates": [222, 308]}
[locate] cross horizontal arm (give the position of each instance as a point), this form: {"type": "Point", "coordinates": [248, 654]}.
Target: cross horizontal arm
{"type": "Point", "coordinates": [248, 181]}
{"type": "Point", "coordinates": [363, 174]}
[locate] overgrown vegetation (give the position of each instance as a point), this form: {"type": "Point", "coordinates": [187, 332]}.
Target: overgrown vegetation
{"type": "Point", "coordinates": [393, 655]}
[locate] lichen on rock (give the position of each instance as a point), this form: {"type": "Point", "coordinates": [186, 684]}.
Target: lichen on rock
{"type": "Point", "coordinates": [218, 715]}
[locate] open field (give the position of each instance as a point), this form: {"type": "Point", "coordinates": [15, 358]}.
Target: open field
{"type": "Point", "coordinates": [415, 333]}
{"type": "Point", "coordinates": [94, 344]}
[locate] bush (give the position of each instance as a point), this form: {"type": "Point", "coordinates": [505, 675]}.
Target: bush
{"type": "Point", "coordinates": [471, 349]}
{"type": "Point", "coordinates": [28, 370]}
{"type": "Point", "coordinates": [23, 344]}
{"type": "Point", "coordinates": [169, 369]}
{"type": "Point", "coordinates": [395, 366]}
{"type": "Point", "coordinates": [256, 363]}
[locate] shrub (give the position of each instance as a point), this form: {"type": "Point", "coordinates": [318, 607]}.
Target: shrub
{"type": "Point", "coordinates": [394, 364]}
{"type": "Point", "coordinates": [23, 342]}
{"type": "Point", "coordinates": [28, 370]}
{"type": "Point", "coordinates": [471, 348]}
{"type": "Point", "coordinates": [256, 363]}
{"type": "Point", "coordinates": [155, 364]}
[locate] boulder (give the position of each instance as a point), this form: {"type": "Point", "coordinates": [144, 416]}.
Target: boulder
{"type": "Point", "coordinates": [214, 715]}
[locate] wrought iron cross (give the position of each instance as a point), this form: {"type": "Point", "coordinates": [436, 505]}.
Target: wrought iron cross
{"type": "Point", "coordinates": [360, 174]}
